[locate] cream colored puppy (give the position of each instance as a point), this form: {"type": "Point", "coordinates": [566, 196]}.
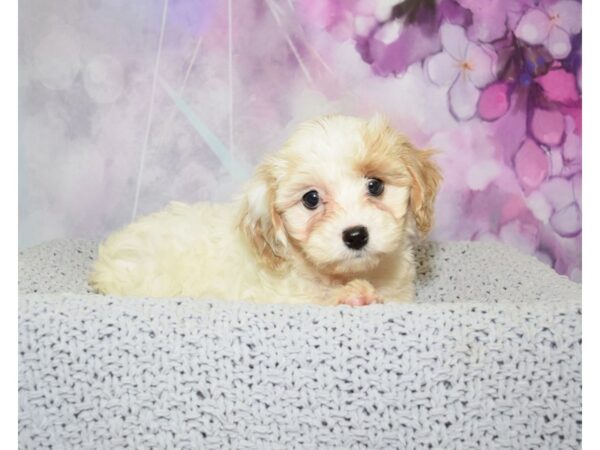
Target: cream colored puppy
{"type": "Point", "coordinates": [329, 219]}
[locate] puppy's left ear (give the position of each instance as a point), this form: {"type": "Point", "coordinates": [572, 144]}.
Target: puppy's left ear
{"type": "Point", "coordinates": [424, 172]}
{"type": "Point", "coordinates": [426, 178]}
{"type": "Point", "coordinates": [259, 221]}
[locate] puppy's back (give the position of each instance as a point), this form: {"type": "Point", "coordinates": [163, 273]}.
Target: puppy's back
{"type": "Point", "coordinates": [174, 252]}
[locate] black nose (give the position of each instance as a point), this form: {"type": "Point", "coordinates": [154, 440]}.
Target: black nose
{"type": "Point", "coordinates": [355, 237]}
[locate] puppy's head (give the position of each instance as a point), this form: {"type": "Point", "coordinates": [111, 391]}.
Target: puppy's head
{"type": "Point", "coordinates": [341, 193]}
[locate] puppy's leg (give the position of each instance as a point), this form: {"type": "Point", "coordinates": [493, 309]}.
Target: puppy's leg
{"type": "Point", "coordinates": [356, 293]}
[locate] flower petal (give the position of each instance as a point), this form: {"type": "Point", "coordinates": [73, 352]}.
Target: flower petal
{"type": "Point", "coordinates": [548, 127]}
{"type": "Point", "coordinates": [559, 86]}
{"type": "Point", "coordinates": [558, 192]}
{"type": "Point", "coordinates": [539, 206]}
{"type": "Point", "coordinates": [489, 19]}
{"type": "Point", "coordinates": [454, 41]}
{"type": "Point", "coordinates": [558, 43]}
{"type": "Point", "coordinates": [442, 69]}
{"type": "Point", "coordinates": [531, 165]}
{"type": "Point", "coordinates": [481, 63]}
{"type": "Point", "coordinates": [568, 15]}
{"type": "Point", "coordinates": [463, 98]}
{"type": "Point", "coordinates": [494, 101]}
{"type": "Point", "coordinates": [533, 27]}
{"type": "Point", "coordinates": [567, 221]}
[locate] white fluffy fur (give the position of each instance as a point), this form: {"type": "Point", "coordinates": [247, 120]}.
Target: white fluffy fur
{"type": "Point", "coordinates": [268, 247]}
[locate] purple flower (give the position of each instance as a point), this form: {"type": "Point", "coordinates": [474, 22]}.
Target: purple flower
{"type": "Point", "coordinates": [552, 26]}
{"type": "Point", "coordinates": [531, 165]}
{"type": "Point", "coordinates": [491, 17]}
{"type": "Point", "coordinates": [464, 66]}
{"type": "Point", "coordinates": [393, 34]}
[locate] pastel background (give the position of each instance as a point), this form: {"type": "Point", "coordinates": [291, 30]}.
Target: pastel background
{"type": "Point", "coordinates": [126, 105]}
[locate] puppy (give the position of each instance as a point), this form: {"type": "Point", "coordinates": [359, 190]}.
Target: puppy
{"type": "Point", "coordinates": [329, 219]}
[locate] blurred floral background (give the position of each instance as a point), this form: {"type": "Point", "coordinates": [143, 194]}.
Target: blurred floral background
{"type": "Point", "coordinates": [125, 105]}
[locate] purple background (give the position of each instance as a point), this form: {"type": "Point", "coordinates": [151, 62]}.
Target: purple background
{"type": "Point", "coordinates": [125, 106]}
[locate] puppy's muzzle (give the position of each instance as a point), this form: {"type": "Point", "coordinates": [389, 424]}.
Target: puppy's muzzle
{"type": "Point", "coordinates": [355, 237]}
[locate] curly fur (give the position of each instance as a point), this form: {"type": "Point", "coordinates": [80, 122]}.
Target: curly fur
{"type": "Point", "coordinates": [268, 247]}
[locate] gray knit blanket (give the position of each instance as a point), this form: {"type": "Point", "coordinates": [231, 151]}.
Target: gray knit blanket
{"type": "Point", "coordinates": [489, 356]}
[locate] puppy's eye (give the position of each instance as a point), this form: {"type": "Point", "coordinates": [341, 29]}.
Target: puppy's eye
{"type": "Point", "coordinates": [311, 199]}
{"type": "Point", "coordinates": [375, 187]}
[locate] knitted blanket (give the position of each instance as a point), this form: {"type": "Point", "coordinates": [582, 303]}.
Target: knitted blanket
{"type": "Point", "coordinates": [489, 356]}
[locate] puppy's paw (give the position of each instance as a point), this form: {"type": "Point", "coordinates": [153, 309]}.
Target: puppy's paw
{"type": "Point", "coordinates": [356, 293]}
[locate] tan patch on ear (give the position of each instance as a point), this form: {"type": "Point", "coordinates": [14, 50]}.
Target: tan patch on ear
{"type": "Point", "coordinates": [260, 222]}
{"type": "Point", "coordinates": [392, 157]}
{"type": "Point", "coordinates": [426, 177]}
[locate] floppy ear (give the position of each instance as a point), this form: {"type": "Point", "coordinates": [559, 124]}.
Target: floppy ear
{"type": "Point", "coordinates": [260, 222]}
{"type": "Point", "coordinates": [425, 174]}
{"type": "Point", "coordinates": [426, 178]}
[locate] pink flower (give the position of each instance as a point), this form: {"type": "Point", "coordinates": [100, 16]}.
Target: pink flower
{"type": "Point", "coordinates": [531, 165]}
{"type": "Point", "coordinates": [559, 86]}
{"type": "Point", "coordinates": [548, 127]}
{"type": "Point", "coordinates": [552, 26]}
{"type": "Point", "coordinates": [494, 101]}
{"type": "Point", "coordinates": [464, 66]}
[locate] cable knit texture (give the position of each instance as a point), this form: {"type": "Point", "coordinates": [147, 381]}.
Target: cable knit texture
{"type": "Point", "coordinates": [488, 356]}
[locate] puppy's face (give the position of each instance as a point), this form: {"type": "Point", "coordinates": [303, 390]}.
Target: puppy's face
{"type": "Point", "coordinates": [339, 194]}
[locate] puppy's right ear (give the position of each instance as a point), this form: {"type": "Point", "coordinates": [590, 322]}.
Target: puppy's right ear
{"type": "Point", "coordinates": [426, 178]}
{"type": "Point", "coordinates": [260, 222]}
